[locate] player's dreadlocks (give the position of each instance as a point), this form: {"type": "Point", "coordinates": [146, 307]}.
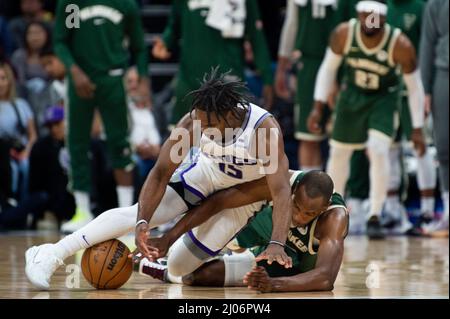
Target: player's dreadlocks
{"type": "Point", "coordinates": [220, 95]}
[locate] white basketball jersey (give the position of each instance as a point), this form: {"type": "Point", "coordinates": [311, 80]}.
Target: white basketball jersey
{"type": "Point", "coordinates": [219, 166]}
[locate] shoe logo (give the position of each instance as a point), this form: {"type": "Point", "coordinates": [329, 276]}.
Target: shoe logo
{"type": "Point", "coordinates": [34, 258]}
{"type": "Point", "coordinates": [84, 238]}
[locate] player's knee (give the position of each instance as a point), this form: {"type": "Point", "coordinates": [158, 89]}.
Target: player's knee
{"type": "Point", "coordinates": [378, 145]}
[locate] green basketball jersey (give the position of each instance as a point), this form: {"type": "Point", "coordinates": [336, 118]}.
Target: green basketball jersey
{"type": "Point", "coordinates": [370, 70]}
{"type": "Point", "coordinates": [316, 22]}
{"type": "Point", "coordinates": [407, 16]}
{"type": "Point", "coordinates": [301, 245]}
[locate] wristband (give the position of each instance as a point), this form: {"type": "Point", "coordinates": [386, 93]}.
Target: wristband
{"type": "Point", "coordinates": [142, 221]}
{"type": "Point", "coordinates": [277, 243]}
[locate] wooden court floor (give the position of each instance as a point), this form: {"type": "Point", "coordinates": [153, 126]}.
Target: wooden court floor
{"type": "Point", "coordinates": [398, 267]}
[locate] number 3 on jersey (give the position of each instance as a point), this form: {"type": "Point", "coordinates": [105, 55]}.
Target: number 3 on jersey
{"type": "Point", "coordinates": [367, 80]}
{"type": "Point", "coordinates": [231, 170]}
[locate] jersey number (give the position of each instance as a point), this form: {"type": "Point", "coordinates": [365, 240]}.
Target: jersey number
{"type": "Point", "coordinates": [231, 170]}
{"type": "Point", "coordinates": [367, 80]}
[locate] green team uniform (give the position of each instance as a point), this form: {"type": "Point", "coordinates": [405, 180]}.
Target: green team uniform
{"type": "Point", "coordinates": [316, 22]}
{"type": "Point", "coordinates": [203, 47]}
{"type": "Point", "coordinates": [407, 16]}
{"type": "Point", "coordinates": [301, 245]}
{"type": "Point", "coordinates": [97, 47]}
{"type": "Point", "coordinates": [371, 95]}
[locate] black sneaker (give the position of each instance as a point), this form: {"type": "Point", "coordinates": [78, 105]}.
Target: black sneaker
{"type": "Point", "coordinates": [374, 228]}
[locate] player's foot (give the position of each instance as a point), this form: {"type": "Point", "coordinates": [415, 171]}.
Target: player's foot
{"type": "Point", "coordinates": [40, 264]}
{"type": "Point", "coordinates": [374, 228]}
{"type": "Point", "coordinates": [152, 269]}
{"type": "Point", "coordinates": [417, 229]}
{"type": "Point", "coordinates": [438, 226]}
{"type": "Point", "coordinates": [80, 219]}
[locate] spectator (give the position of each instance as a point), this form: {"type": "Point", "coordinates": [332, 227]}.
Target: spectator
{"type": "Point", "coordinates": [32, 10]}
{"type": "Point", "coordinates": [95, 59]}
{"type": "Point", "coordinates": [32, 78]}
{"type": "Point", "coordinates": [434, 66]}
{"type": "Point", "coordinates": [145, 138]}
{"type": "Point", "coordinates": [17, 129]}
{"type": "Point", "coordinates": [49, 166]}
{"type": "Point", "coordinates": [57, 72]}
{"type": "Point", "coordinates": [5, 40]}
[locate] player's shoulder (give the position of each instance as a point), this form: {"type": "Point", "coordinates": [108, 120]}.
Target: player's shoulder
{"type": "Point", "coordinates": [333, 222]}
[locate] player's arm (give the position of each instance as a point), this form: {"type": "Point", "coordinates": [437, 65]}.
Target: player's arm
{"type": "Point", "coordinates": [173, 151]}
{"type": "Point", "coordinates": [327, 74]}
{"type": "Point", "coordinates": [237, 196]}
{"type": "Point", "coordinates": [405, 56]}
{"type": "Point", "coordinates": [270, 148]}
{"type": "Point", "coordinates": [333, 228]}
{"type": "Point", "coordinates": [288, 36]}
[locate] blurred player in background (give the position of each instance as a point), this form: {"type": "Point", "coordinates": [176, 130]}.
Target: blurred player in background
{"type": "Point", "coordinates": [95, 58]}
{"type": "Point", "coordinates": [368, 105]}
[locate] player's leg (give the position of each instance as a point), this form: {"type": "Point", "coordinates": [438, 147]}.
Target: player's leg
{"type": "Point", "coordinates": [110, 98]}
{"type": "Point", "coordinates": [309, 152]}
{"type": "Point", "coordinates": [440, 110]}
{"type": "Point", "coordinates": [383, 123]}
{"type": "Point", "coordinates": [80, 117]}
{"type": "Point", "coordinates": [42, 261]}
{"type": "Point", "coordinates": [357, 190]}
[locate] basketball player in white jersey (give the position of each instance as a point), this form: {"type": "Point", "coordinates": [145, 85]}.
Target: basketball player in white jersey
{"type": "Point", "coordinates": [171, 189]}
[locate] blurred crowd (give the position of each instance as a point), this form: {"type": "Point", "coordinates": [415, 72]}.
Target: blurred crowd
{"type": "Point", "coordinates": [68, 152]}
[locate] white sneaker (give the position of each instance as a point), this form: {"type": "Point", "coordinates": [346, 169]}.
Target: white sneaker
{"type": "Point", "coordinates": [40, 264]}
{"type": "Point", "coordinates": [357, 216]}
{"type": "Point", "coordinates": [80, 219]}
{"type": "Point", "coordinates": [436, 226]}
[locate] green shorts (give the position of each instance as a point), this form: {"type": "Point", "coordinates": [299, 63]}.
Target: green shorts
{"type": "Point", "coordinates": [306, 79]}
{"type": "Point", "coordinates": [110, 100]}
{"type": "Point", "coordinates": [358, 113]}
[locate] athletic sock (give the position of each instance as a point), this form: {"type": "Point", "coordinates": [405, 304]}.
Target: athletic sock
{"type": "Point", "coordinates": [125, 195]}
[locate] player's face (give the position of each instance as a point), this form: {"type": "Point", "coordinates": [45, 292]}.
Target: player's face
{"type": "Point", "coordinates": [306, 209]}
{"type": "Point", "coordinates": [213, 123]}
{"type": "Point", "coordinates": [371, 23]}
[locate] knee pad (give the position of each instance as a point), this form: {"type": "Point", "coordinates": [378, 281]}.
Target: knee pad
{"type": "Point", "coordinates": [378, 144]}
{"type": "Point", "coordinates": [181, 260]}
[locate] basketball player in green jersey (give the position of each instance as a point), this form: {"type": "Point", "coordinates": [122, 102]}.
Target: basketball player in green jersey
{"type": "Point", "coordinates": [307, 29]}
{"type": "Point", "coordinates": [368, 105]}
{"type": "Point", "coordinates": [407, 16]}
{"type": "Point", "coordinates": [315, 239]}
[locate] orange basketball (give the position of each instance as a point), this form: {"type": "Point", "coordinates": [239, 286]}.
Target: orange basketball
{"type": "Point", "coordinates": [106, 265]}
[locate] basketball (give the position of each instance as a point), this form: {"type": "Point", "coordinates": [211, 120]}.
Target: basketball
{"type": "Point", "coordinates": [106, 265]}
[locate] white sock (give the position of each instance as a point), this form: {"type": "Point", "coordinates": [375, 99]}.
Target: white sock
{"type": "Point", "coordinates": [445, 200]}
{"type": "Point", "coordinates": [427, 205]}
{"type": "Point", "coordinates": [125, 195]}
{"type": "Point", "coordinates": [426, 172]}
{"type": "Point", "coordinates": [173, 279]}
{"type": "Point", "coordinates": [378, 150]}
{"type": "Point", "coordinates": [395, 177]}
{"type": "Point", "coordinates": [306, 168]}
{"type": "Point", "coordinates": [111, 224]}
{"type": "Point", "coordinates": [83, 202]}
{"type": "Point", "coordinates": [338, 167]}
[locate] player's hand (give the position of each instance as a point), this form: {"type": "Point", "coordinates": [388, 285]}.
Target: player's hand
{"type": "Point", "coordinates": [276, 253]}
{"type": "Point", "coordinates": [258, 279]}
{"type": "Point", "coordinates": [159, 246]}
{"type": "Point", "coordinates": [160, 50]}
{"type": "Point", "coordinates": [281, 85]}
{"type": "Point", "coordinates": [142, 234]}
{"type": "Point", "coordinates": [418, 139]}
{"type": "Point", "coordinates": [83, 84]}
{"type": "Point", "coordinates": [314, 119]}
{"type": "Point", "coordinates": [267, 97]}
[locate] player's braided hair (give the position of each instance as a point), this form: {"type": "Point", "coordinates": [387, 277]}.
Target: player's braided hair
{"type": "Point", "coordinates": [220, 95]}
